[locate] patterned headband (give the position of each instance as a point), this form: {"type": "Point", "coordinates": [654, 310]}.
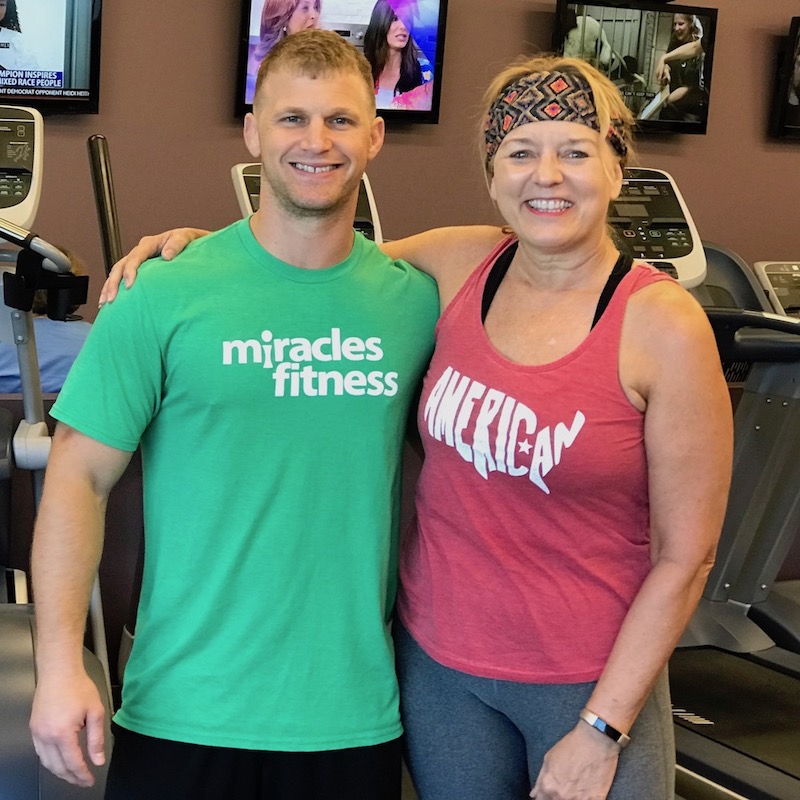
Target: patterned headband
{"type": "Point", "coordinates": [546, 96]}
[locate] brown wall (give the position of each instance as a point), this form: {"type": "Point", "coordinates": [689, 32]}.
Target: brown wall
{"type": "Point", "coordinates": [166, 109]}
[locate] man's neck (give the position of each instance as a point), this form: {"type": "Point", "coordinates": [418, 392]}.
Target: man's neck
{"type": "Point", "coordinates": [305, 242]}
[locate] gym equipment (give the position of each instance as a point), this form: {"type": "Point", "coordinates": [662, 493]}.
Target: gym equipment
{"type": "Point", "coordinates": [108, 218]}
{"type": "Point", "coordinates": [103, 184]}
{"type": "Point", "coordinates": [653, 224]}
{"type": "Point", "coordinates": [781, 282]}
{"type": "Point", "coordinates": [20, 164]}
{"type": "Point", "coordinates": [38, 265]}
{"type": "Point", "coordinates": [736, 695]}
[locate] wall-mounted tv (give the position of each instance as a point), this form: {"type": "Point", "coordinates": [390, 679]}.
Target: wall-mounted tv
{"type": "Point", "coordinates": [402, 38]}
{"type": "Point", "coordinates": [50, 54]}
{"type": "Point", "coordinates": [659, 56]}
{"type": "Point", "coordinates": [785, 121]}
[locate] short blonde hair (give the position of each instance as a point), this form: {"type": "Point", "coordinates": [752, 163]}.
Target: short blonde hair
{"type": "Point", "coordinates": [316, 52]}
{"type": "Point", "coordinates": [611, 108]}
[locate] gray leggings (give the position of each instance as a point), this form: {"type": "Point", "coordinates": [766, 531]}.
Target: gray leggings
{"type": "Point", "coordinates": [472, 738]}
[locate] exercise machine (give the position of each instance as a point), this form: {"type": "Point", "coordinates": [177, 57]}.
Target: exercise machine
{"type": "Point", "coordinates": [652, 223]}
{"type": "Point", "coordinates": [735, 681]}
{"type": "Point", "coordinates": [129, 518]}
{"type": "Point", "coordinates": [32, 264]}
{"type": "Point", "coordinates": [781, 282]}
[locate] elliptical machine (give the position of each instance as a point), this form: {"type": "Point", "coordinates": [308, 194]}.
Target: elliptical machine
{"type": "Point", "coordinates": [38, 265]}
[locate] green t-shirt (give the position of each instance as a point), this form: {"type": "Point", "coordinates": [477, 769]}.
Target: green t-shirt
{"type": "Point", "coordinates": [271, 404]}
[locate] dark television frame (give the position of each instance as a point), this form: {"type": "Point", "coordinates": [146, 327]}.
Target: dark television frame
{"type": "Point", "coordinates": [780, 126]}
{"type": "Point", "coordinates": [71, 104]}
{"type": "Point", "coordinates": [667, 8]}
{"type": "Point", "coordinates": [401, 116]}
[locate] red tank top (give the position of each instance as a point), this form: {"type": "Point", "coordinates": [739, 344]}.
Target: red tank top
{"type": "Point", "coordinates": [532, 517]}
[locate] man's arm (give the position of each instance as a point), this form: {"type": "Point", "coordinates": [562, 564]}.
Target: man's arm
{"type": "Point", "coordinates": [67, 543]}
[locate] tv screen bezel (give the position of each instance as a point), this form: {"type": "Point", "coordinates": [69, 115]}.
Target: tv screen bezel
{"type": "Point", "coordinates": [401, 116]}
{"type": "Point", "coordinates": [785, 66]}
{"type": "Point", "coordinates": [48, 106]}
{"type": "Point", "coordinates": [698, 127]}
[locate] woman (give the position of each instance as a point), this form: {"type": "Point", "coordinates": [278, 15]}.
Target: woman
{"type": "Point", "coordinates": [279, 18]}
{"type": "Point", "coordinates": [393, 56]}
{"type": "Point", "coordinates": [12, 43]}
{"type": "Point", "coordinates": [577, 434]}
{"type": "Point", "coordinates": [687, 96]}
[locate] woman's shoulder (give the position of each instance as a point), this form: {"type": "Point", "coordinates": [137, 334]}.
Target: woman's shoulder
{"type": "Point", "coordinates": [660, 309]}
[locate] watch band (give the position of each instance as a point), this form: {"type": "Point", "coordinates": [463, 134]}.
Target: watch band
{"type": "Point", "coordinates": [622, 739]}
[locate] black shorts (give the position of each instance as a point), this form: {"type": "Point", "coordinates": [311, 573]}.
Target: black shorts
{"type": "Point", "coordinates": [145, 768]}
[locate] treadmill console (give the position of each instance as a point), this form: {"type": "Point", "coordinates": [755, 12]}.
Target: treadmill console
{"type": "Point", "coordinates": [781, 282]}
{"type": "Point", "coordinates": [20, 164]}
{"type": "Point", "coordinates": [247, 186]}
{"type": "Point", "coordinates": [653, 224]}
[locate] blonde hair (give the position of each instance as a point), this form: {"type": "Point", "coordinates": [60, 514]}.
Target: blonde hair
{"type": "Point", "coordinates": [611, 108]}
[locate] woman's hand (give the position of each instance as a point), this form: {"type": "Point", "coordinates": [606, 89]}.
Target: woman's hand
{"type": "Point", "coordinates": [167, 245]}
{"type": "Point", "coordinates": [579, 767]}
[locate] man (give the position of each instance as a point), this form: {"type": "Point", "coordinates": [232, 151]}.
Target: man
{"type": "Point", "coordinates": [261, 386]}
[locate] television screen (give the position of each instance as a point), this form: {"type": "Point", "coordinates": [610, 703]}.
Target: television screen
{"type": "Point", "coordinates": [786, 103]}
{"type": "Point", "coordinates": [50, 54]}
{"type": "Point", "coordinates": [402, 39]}
{"type": "Point", "coordinates": [660, 57]}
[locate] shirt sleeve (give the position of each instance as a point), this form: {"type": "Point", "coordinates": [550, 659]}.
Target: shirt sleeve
{"type": "Point", "coordinates": [114, 388]}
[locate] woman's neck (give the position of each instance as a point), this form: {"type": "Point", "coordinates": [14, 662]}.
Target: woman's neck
{"type": "Point", "coordinates": [390, 74]}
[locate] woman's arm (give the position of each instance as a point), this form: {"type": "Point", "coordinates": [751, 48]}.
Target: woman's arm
{"type": "Point", "coordinates": [669, 362]}
{"type": "Point", "coordinates": [167, 245]}
{"type": "Point", "coordinates": [447, 254]}
{"type": "Point", "coordinates": [693, 49]}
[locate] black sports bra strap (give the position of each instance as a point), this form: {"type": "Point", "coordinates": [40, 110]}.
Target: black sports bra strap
{"type": "Point", "coordinates": [621, 269]}
{"type": "Point", "coordinates": [503, 262]}
{"type": "Point", "coordinates": [495, 277]}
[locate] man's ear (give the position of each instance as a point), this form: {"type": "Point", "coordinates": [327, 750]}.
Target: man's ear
{"type": "Point", "coordinates": [376, 137]}
{"type": "Point", "coordinates": [251, 138]}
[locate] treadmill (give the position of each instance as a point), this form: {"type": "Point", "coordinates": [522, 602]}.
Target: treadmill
{"type": "Point", "coordinates": [735, 691]}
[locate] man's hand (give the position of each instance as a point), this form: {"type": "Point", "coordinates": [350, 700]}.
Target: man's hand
{"type": "Point", "coordinates": [62, 707]}
{"type": "Point", "coordinates": [579, 767]}
{"type": "Point", "coordinates": [167, 245]}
